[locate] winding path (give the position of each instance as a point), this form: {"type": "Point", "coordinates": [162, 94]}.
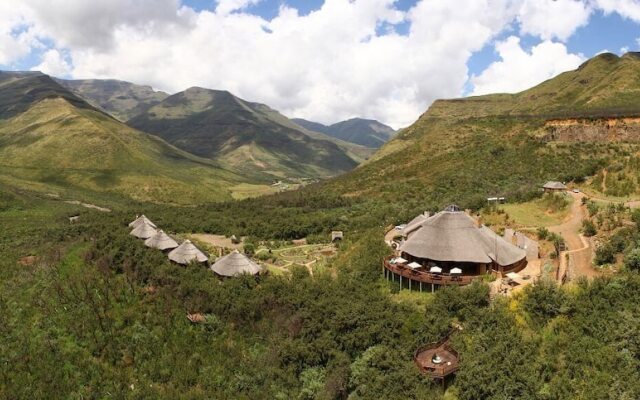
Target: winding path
{"type": "Point", "coordinates": [579, 247]}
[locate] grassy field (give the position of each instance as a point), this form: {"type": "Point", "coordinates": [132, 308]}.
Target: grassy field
{"type": "Point", "coordinates": [248, 190]}
{"type": "Point", "coordinates": [545, 211]}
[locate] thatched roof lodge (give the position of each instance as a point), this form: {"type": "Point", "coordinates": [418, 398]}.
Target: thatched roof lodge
{"type": "Point", "coordinates": [143, 231]}
{"type": "Point", "coordinates": [187, 253]}
{"type": "Point", "coordinates": [142, 220]}
{"type": "Point", "coordinates": [553, 186]}
{"type": "Point", "coordinates": [450, 247]}
{"type": "Point", "coordinates": [234, 264]}
{"type": "Point", "coordinates": [161, 241]}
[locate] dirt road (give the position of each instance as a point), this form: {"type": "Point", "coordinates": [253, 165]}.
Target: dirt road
{"type": "Point", "coordinates": [579, 248]}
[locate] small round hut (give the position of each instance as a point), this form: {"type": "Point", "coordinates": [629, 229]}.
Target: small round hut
{"type": "Point", "coordinates": [143, 231]}
{"type": "Point", "coordinates": [234, 264]}
{"type": "Point", "coordinates": [553, 186]}
{"type": "Point", "coordinates": [161, 241]}
{"type": "Point", "coordinates": [142, 220]}
{"type": "Point", "coordinates": [186, 253]}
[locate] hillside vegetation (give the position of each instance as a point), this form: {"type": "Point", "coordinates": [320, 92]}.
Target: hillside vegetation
{"type": "Point", "coordinates": [52, 141]}
{"type": "Point", "coordinates": [249, 138]}
{"type": "Point", "coordinates": [468, 149]}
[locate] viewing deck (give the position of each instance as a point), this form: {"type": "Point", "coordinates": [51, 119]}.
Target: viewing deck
{"type": "Point", "coordinates": [428, 277]}
{"type": "Point", "coordinates": [447, 359]}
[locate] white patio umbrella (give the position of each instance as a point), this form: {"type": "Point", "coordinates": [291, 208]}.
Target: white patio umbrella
{"type": "Point", "coordinates": [513, 275]}
{"type": "Point", "coordinates": [435, 270]}
{"type": "Point", "coordinates": [455, 271]}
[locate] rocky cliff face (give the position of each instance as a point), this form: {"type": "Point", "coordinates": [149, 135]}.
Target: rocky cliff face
{"type": "Point", "coordinates": [593, 130]}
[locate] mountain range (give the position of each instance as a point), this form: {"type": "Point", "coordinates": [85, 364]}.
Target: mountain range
{"type": "Point", "coordinates": [52, 141]}
{"type": "Point", "coordinates": [365, 132]}
{"type": "Point", "coordinates": [247, 137]}
{"type": "Point", "coordinates": [250, 138]}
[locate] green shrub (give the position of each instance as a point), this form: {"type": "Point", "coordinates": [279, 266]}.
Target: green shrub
{"type": "Point", "coordinates": [588, 228]}
{"type": "Point", "coordinates": [632, 260]}
{"type": "Point", "coordinates": [605, 254]}
{"type": "Point", "coordinates": [543, 233]}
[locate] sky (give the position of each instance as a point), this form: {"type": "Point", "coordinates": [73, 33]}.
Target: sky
{"type": "Point", "coordinates": [323, 60]}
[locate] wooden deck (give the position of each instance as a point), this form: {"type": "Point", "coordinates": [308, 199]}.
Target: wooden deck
{"type": "Point", "coordinates": [427, 277]}
{"type": "Point", "coordinates": [424, 358]}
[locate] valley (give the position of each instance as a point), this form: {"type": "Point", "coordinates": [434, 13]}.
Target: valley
{"type": "Point", "coordinates": [89, 311]}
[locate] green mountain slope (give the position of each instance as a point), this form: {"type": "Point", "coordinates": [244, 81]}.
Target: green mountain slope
{"type": "Point", "coordinates": [365, 132]}
{"type": "Point", "coordinates": [250, 138]}
{"type": "Point", "coordinates": [52, 141]}
{"type": "Point", "coordinates": [465, 150]}
{"type": "Point", "coordinates": [121, 99]}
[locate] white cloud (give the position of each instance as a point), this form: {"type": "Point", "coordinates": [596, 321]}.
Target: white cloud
{"type": "Point", "coordinates": [626, 8]}
{"type": "Point", "coordinates": [340, 61]}
{"type": "Point", "coordinates": [16, 37]}
{"type": "Point", "coordinates": [53, 63]}
{"type": "Point", "coordinates": [91, 24]}
{"type": "Point", "coordinates": [519, 69]}
{"type": "Point", "coordinates": [328, 65]}
{"type": "Point", "coordinates": [551, 19]}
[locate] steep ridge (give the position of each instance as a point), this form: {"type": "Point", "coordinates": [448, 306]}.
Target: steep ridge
{"type": "Point", "coordinates": [250, 138]}
{"type": "Point", "coordinates": [121, 99]}
{"type": "Point", "coordinates": [365, 132]}
{"type": "Point", "coordinates": [468, 149]}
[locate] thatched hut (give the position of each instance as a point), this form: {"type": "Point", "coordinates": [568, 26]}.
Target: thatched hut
{"type": "Point", "coordinates": [553, 186]}
{"type": "Point", "coordinates": [186, 253]}
{"type": "Point", "coordinates": [453, 239]}
{"type": "Point", "coordinates": [141, 220]}
{"type": "Point", "coordinates": [143, 231]}
{"type": "Point", "coordinates": [234, 264]}
{"type": "Point", "coordinates": [161, 241]}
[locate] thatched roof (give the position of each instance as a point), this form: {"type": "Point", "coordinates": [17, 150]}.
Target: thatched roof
{"type": "Point", "coordinates": [143, 231]}
{"type": "Point", "coordinates": [186, 253]}
{"type": "Point", "coordinates": [553, 185]}
{"type": "Point", "coordinates": [235, 263]}
{"type": "Point", "coordinates": [414, 223]}
{"type": "Point", "coordinates": [455, 236]}
{"type": "Point", "coordinates": [140, 220]}
{"type": "Point", "coordinates": [161, 241]}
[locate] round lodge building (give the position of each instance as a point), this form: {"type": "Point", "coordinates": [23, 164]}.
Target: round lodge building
{"type": "Point", "coordinates": [451, 247]}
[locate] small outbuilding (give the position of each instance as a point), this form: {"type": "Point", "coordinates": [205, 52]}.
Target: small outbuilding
{"type": "Point", "coordinates": [161, 241]}
{"type": "Point", "coordinates": [234, 264]}
{"type": "Point", "coordinates": [186, 253]}
{"type": "Point", "coordinates": [140, 220]}
{"type": "Point", "coordinates": [143, 231]}
{"type": "Point", "coordinates": [553, 186]}
{"type": "Point", "coordinates": [337, 235]}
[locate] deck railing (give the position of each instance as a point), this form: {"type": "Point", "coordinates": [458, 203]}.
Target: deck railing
{"type": "Point", "coordinates": [442, 370]}
{"type": "Point", "coordinates": [428, 277]}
